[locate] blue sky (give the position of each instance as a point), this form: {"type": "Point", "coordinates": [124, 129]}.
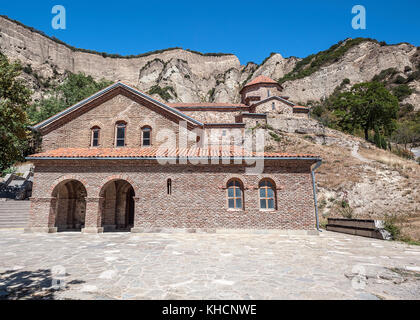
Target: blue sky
{"type": "Point", "coordinates": [249, 29]}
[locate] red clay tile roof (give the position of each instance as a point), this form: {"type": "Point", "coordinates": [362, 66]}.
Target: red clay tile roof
{"type": "Point", "coordinates": [153, 152]}
{"type": "Point", "coordinates": [260, 79]}
{"type": "Point", "coordinates": [205, 104]}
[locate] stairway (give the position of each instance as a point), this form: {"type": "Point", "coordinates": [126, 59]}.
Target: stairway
{"type": "Point", "coordinates": [14, 213]}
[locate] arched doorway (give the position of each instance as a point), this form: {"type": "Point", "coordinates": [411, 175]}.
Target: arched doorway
{"type": "Point", "coordinates": [118, 206]}
{"type": "Point", "coordinates": [70, 206]}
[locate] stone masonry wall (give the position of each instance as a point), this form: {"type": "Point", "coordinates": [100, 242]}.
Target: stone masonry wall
{"type": "Point", "coordinates": [280, 108]}
{"type": "Point", "coordinates": [261, 91]}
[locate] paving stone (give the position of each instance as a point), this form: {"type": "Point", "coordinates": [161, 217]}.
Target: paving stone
{"type": "Point", "coordinates": [208, 266]}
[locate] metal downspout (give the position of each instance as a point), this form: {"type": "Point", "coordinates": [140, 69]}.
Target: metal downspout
{"type": "Point", "coordinates": [317, 165]}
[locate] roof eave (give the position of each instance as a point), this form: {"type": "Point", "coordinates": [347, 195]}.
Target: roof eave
{"type": "Point", "coordinates": [68, 110]}
{"type": "Point", "coordinates": [315, 159]}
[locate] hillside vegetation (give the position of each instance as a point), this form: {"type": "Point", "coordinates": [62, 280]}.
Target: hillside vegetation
{"type": "Point", "coordinates": [315, 62]}
{"type": "Point", "coordinates": [394, 129]}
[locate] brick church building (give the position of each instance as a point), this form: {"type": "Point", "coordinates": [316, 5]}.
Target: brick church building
{"type": "Point", "coordinates": [121, 160]}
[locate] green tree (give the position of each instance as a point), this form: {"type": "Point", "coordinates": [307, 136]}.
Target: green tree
{"type": "Point", "coordinates": [14, 100]}
{"type": "Point", "coordinates": [73, 90]}
{"type": "Point", "coordinates": [79, 86]}
{"type": "Point", "coordinates": [367, 105]}
{"type": "Point", "coordinates": [404, 135]}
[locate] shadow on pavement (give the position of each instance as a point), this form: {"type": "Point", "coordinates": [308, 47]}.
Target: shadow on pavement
{"type": "Point", "coordinates": [32, 285]}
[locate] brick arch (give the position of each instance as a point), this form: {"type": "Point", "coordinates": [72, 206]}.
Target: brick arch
{"type": "Point", "coordinates": [268, 177]}
{"type": "Point", "coordinates": [66, 178]}
{"type": "Point", "coordinates": [96, 123]}
{"type": "Point", "coordinates": [241, 181]}
{"type": "Point", "coordinates": [105, 181]}
{"type": "Point", "coordinates": [121, 119]}
{"type": "Point", "coordinates": [233, 176]}
{"type": "Point", "coordinates": [67, 205]}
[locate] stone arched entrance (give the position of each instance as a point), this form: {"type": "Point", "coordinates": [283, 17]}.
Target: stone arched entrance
{"type": "Point", "coordinates": [117, 210]}
{"type": "Point", "coordinates": [69, 208]}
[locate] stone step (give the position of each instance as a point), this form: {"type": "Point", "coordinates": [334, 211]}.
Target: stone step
{"type": "Point", "coordinates": [14, 214]}
{"type": "Point", "coordinates": [356, 231]}
{"type": "Point", "coordinates": [13, 227]}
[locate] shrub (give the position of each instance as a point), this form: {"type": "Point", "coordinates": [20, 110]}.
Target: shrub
{"type": "Point", "coordinates": [405, 109]}
{"type": "Point", "coordinates": [274, 136]}
{"type": "Point", "coordinates": [377, 138]}
{"type": "Point", "coordinates": [387, 73]}
{"type": "Point", "coordinates": [8, 170]}
{"type": "Point", "coordinates": [390, 222]}
{"type": "Point", "coordinates": [403, 153]}
{"type": "Point", "coordinates": [414, 76]}
{"type": "Point", "coordinates": [402, 91]}
{"type": "Point", "coordinates": [163, 92]}
{"type": "Point", "coordinates": [28, 69]}
{"type": "Point", "coordinates": [314, 62]}
{"type": "Point", "coordinates": [384, 144]}
{"type": "Point", "coordinates": [400, 80]}
{"type": "Point", "coordinates": [346, 212]}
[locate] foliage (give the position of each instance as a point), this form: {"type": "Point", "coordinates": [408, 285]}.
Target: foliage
{"type": "Point", "coordinates": [14, 100]}
{"type": "Point", "coordinates": [379, 139]}
{"type": "Point", "coordinates": [404, 135]}
{"type": "Point", "coordinates": [390, 222]}
{"type": "Point", "coordinates": [164, 93]}
{"type": "Point", "coordinates": [385, 74]}
{"type": "Point", "coordinates": [210, 54]}
{"type": "Point", "coordinates": [368, 106]}
{"type": "Point", "coordinates": [314, 62]}
{"type": "Point", "coordinates": [275, 136]}
{"type": "Point", "coordinates": [266, 59]}
{"type": "Point", "coordinates": [103, 54]}
{"type": "Point", "coordinates": [345, 210]}
{"type": "Point", "coordinates": [403, 153]}
{"type": "Point", "coordinates": [402, 91]}
{"type": "Point", "coordinates": [9, 171]}
{"type": "Point", "coordinates": [211, 94]}
{"type": "Point", "coordinates": [73, 90]}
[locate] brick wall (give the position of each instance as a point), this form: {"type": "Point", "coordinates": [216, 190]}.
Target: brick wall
{"type": "Point", "coordinates": [198, 198]}
{"type": "Point", "coordinates": [77, 132]}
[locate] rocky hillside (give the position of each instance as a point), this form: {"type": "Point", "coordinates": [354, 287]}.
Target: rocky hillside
{"type": "Point", "coordinates": [178, 75]}
{"type": "Point", "coordinates": [371, 182]}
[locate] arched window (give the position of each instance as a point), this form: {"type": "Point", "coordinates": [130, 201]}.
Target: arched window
{"type": "Point", "coordinates": [268, 92]}
{"type": "Point", "coordinates": [120, 129]}
{"type": "Point", "coordinates": [273, 106]}
{"type": "Point", "coordinates": [235, 194]}
{"type": "Point", "coordinates": [169, 186]}
{"type": "Point", "coordinates": [94, 139]}
{"type": "Point", "coordinates": [146, 136]}
{"type": "Point", "coordinates": [267, 195]}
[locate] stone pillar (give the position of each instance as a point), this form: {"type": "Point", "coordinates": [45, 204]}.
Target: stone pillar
{"type": "Point", "coordinates": [137, 216]}
{"type": "Point", "coordinates": [93, 217]}
{"type": "Point", "coordinates": [42, 215]}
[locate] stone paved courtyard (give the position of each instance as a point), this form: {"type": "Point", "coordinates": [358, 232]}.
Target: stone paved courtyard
{"type": "Point", "coordinates": [206, 266]}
